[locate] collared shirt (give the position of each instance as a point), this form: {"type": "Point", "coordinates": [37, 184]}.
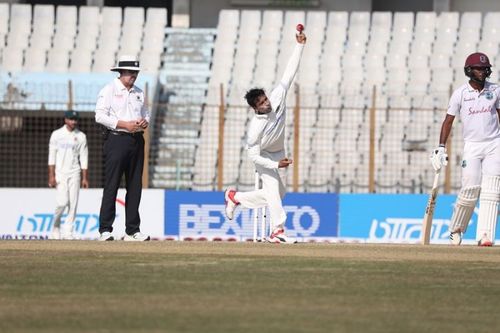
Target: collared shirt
{"type": "Point", "coordinates": [68, 151]}
{"type": "Point", "coordinates": [115, 102]}
{"type": "Point", "coordinates": [266, 132]}
{"type": "Point", "coordinates": [477, 110]}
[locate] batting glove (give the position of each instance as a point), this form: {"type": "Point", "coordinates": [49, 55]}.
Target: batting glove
{"type": "Point", "coordinates": [439, 158]}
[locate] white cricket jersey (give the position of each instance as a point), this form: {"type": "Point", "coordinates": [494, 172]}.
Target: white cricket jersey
{"type": "Point", "coordinates": [115, 102]}
{"type": "Point", "coordinates": [266, 132]}
{"type": "Point", "coordinates": [477, 110]}
{"type": "Point", "coordinates": [68, 151]}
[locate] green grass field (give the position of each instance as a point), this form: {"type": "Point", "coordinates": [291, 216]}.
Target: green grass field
{"type": "Point", "coordinates": [82, 286]}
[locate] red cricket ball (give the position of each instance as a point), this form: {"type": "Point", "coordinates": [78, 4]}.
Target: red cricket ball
{"type": "Point", "coordinates": [300, 27]}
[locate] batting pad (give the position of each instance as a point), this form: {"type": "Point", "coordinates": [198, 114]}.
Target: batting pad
{"type": "Point", "coordinates": [488, 208]}
{"type": "Point", "coordinates": [464, 207]}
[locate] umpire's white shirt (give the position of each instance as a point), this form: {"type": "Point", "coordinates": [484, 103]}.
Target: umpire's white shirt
{"type": "Point", "coordinates": [115, 102]}
{"type": "Point", "coordinates": [68, 151]}
{"type": "Point", "coordinates": [477, 110]}
{"type": "Point", "coordinates": [266, 133]}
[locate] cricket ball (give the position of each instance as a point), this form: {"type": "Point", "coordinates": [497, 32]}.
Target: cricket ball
{"type": "Point", "coordinates": [300, 27]}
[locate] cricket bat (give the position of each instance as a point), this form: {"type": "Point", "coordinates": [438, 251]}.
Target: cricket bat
{"type": "Point", "coordinates": [429, 212]}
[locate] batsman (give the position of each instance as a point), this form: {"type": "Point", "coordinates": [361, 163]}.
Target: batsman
{"type": "Point", "coordinates": [266, 148]}
{"type": "Point", "coordinates": [477, 102]}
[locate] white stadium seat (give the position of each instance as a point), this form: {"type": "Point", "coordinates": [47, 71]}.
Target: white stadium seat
{"type": "Point", "coordinates": [57, 60]}
{"type": "Point", "coordinates": [35, 59]}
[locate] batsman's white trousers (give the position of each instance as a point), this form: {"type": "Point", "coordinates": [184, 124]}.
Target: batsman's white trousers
{"type": "Point", "coordinates": [480, 158]}
{"type": "Point", "coordinates": [68, 188]}
{"type": "Point", "coordinates": [481, 166]}
{"type": "Point", "coordinates": [272, 192]}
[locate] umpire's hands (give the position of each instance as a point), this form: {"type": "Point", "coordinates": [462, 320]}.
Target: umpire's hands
{"type": "Point", "coordinates": [52, 181]}
{"type": "Point", "coordinates": [284, 163]}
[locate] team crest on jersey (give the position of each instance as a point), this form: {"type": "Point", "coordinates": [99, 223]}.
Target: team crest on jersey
{"type": "Point", "coordinates": [464, 163]}
{"type": "Point", "coordinates": [489, 95]}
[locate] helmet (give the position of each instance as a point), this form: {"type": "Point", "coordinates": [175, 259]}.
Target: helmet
{"type": "Point", "coordinates": [477, 59]}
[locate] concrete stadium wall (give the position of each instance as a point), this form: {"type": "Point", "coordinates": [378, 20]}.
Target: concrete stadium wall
{"type": "Point", "coordinates": [204, 14]}
{"type": "Point", "coordinates": [483, 6]}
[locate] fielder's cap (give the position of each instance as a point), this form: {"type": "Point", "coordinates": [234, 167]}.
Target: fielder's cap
{"type": "Point", "coordinates": [127, 62]}
{"type": "Point", "coordinates": [477, 59]}
{"type": "Point", "coordinates": [71, 115]}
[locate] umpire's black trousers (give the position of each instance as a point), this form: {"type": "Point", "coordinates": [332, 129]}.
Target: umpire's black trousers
{"type": "Point", "coordinates": [123, 154]}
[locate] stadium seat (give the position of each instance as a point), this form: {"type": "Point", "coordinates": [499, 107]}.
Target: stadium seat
{"type": "Point", "coordinates": [471, 20]}
{"type": "Point", "coordinates": [81, 61]}
{"type": "Point", "coordinates": [156, 17]}
{"type": "Point", "coordinates": [43, 20]}
{"type": "Point", "coordinates": [425, 20]}
{"type": "Point", "coordinates": [12, 59]}
{"type": "Point", "coordinates": [488, 47]}
{"type": "Point", "coordinates": [20, 18]}
{"type": "Point", "coordinates": [66, 20]}
{"type": "Point", "coordinates": [490, 30]}
{"type": "Point", "coordinates": [35, 59]}
{"type": "Point", "coordinates": [104, 59]}
{"type": "Point", "coordinates": [447, 20]}
{"type": "Point", "coordinates": [66, 27]}
{"type": "Point", "coordinates": [133, 17]}
{"type": "Point", "coordinates": [150, 62]}
{"type": "Point", "coordinates": [4, 22]}
{"type": "Point", "coordinates": [89, 17]}
{"type": "Point", "coordinates": [418, 61]}
{"type": "Point", "coordinates": [422, 44]}
{"type": "Point", "coordinates": [18, 40]}
{"type": "Point", "coordinates": [57, 61]}
{"type": "Point", "coordinates": [112, 16]}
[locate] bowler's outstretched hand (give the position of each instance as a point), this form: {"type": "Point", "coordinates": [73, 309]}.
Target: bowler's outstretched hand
{"type": "Point", "coordinates": [301, 37]}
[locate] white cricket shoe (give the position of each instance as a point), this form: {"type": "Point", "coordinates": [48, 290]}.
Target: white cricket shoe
{"type": "Point", "coordinates": [485, 241]}
{"type": "Point", "coordinates": [56, 233]}
{"type": "Point", "coordinates": [278, 236]}
{"type": "Point", "coordinates": [106, 236]}
{"type": "Point", "coordinates": [67, 232]}
{"type": "Point", "coordinates": [137, 237]}
{"type": "Point", "coordinates": [68, 236]}
{"type": "Point", "coordinates": [456, 238]}
{"type": "Point", "coordinates": [231, 203]}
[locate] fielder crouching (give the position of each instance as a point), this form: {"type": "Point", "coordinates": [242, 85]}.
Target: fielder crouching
{"type": "Point", "coordinates": [266, 149]}
{"type": "Point", "coordinates": [478, 104]}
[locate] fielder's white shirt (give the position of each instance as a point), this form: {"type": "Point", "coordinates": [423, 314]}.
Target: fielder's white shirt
{"type": "Point", "coordinates": [68, 151]}
{"type": "Point", "coordinates": [115, 102]}
{"type": "Point", "coordinates": [266, 132]}
{"type": "Point", "coordinates": [477, 110]}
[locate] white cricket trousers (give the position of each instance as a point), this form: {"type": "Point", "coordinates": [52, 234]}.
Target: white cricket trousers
{"type": "Point", "coordinates": [481, 166]}
{"type": "Point", "coordinates": [68, 187]}
{"type": "Point", "coordinates": [480, 158]}
{"type": "Point", "coordinates": [271, 194]}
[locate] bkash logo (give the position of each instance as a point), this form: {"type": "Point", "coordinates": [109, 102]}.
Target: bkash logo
{"type": "Point", "coordinates": [43, 222]}
{"type": "Point", "coordinates": [409, 229]}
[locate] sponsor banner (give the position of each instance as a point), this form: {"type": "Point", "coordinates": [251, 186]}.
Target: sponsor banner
{"type": "Point", "coordinates": [29, 213]}
{"type": "Point", "coordinates": [397, 218]}
{"type": "Point", "coordinates": [200, 215]}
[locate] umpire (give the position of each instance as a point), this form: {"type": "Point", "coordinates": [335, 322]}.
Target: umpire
{"type": "Point", "coordinates": [121, 109]}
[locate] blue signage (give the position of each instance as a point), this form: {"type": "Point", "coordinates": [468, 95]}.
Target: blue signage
{"type": "Point", "coordinates": [396, 218]}
{"type": "Point", "coordinates": [201, 214]}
